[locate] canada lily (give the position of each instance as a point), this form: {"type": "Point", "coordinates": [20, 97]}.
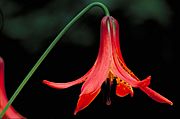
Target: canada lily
{"type": "Point", "coordinates": [108, 66]}
{"type": "Point", "coordinates": [11, 112]}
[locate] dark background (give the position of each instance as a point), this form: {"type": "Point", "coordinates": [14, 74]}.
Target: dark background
{"type": "Point", "coordinates": [148, 33]}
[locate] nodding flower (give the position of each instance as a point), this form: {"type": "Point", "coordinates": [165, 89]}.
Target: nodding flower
{"type": "Point", "coordinates": [109, 66]}
{"type": "Point", "coordinates": [11, 113]}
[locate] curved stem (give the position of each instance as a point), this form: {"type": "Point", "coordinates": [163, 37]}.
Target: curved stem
{"type": "Point", "coordinates": [50, 48]}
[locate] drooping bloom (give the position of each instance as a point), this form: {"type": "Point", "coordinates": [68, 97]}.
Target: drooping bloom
{"type": "Point", "coordinates": [108, 66]}
{"type": "Point", "coordinates": [11, 113]}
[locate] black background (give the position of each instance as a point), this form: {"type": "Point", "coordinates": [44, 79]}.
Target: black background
{"type": "Point", "coordinates": [154, 56]}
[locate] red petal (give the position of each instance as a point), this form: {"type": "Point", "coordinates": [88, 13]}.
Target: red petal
{"type": "Point", "coordinates": [145, 82]}
{"type": "Point", "coordinates": [115, 37]}
{"type": "Point", "coordinates": [68, 84]}
{"type": "Point", "coordinates": [123, 89]}
{"type": "Point", "coordinates": [91, 87]}
{"type": "Point", "coordinates": [155, 96]}
{"type": "Point", "coordinates": [85, 100]}
{"type": "Point", "coordinates": [151, 93]}
{"type": "Point", "coordinates": [63, 85]}
{"type": "Point", "coordinates": [118, 70]}
{"type": "Point", "coordinates": [11, 112]}
{"type": "Point", "coordinates": [116, 48]}
{"type": "Point", "coordinates": [100, 73]}
{"type": "Point", "coordinates": [119, 67]}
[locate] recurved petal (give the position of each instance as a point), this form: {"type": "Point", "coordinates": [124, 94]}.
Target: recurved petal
{"type": "Point", "coordinates": [145, 82]}
{"type": "Point", "coordinates": [68, 84]}
{"type": "Point", "coordinates": [63, 85]}
{"type": "Point", "coordinates": [11, 113]}
{"type": "Point", "coordinates": [85, 100]}
{"type": "Point", "coordinates": [156, 96]}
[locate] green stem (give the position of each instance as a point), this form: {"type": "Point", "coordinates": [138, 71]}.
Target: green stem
{"type": "Point", "coordinates": [50, 48]}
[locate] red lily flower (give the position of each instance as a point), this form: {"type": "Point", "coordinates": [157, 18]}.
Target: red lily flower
{"type": "Point", "coordinates": [108, 66]}
{"type": "Point", "coordinates": [11, 112]}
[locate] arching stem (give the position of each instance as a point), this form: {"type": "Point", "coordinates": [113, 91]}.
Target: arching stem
{"type": "Point", "coordinates": [64, 30]}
